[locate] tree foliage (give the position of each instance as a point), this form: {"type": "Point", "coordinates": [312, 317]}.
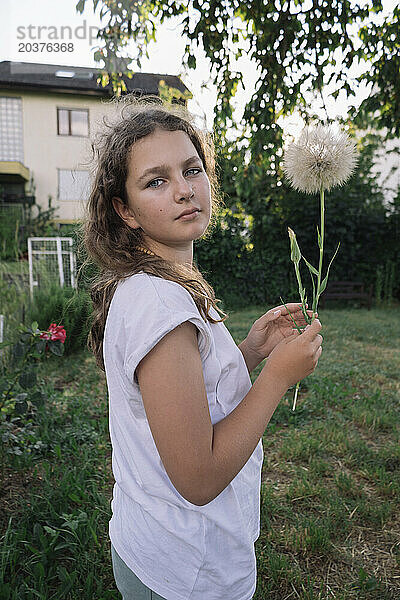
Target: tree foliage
{"type": "Point", "coordinates": [293, 43]}
{"type": "Point", "coordinates": [381, 48]}
{"type": "Point", "coordinates": [298, 47]}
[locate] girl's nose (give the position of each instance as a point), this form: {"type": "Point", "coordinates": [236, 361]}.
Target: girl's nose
{"type": "Point", "coordinates": [183, 190]}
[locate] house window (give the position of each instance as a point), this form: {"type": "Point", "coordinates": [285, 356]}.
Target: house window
{"type": "Point", "coordinates": [11, 139]}
{"type": "Point", "coordinates": [73, 185]}
{"type": "Point", "coordinates": [72, 122]}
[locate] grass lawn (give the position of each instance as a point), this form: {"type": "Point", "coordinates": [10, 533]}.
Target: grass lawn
{"type": "Point", "coordinates": [330, 506]}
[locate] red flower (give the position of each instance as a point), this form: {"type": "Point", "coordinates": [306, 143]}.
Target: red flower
{"type": "Point", "coordinates": [54, 333]}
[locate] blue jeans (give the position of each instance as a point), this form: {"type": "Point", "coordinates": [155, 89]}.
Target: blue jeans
{"type": "Point", "coordinates": [128, 584]}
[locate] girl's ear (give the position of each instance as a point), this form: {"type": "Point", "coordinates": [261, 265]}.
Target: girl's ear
{"type": "Point", "coordinates": [125, 213]}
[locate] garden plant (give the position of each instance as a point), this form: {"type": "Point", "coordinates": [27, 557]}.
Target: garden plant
{"type": "Point", "coordinates": [319, 160]}
{"type": "Point", "coordinates": [22, 394]}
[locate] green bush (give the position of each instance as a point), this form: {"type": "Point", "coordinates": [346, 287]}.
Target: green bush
{"type": "Point", "coordinates": [19, 222]}
{"type": "Point", "coordinates": [10, 224]}
{"type": "Point", "coordinates": [22, 393]}
{"type": "Point", "coordinates": [65, 306]}
{"type": "Point", "coordinates": [14, 296]}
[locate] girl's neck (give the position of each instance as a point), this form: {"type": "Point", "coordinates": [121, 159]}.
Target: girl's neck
{"type": "Point", "coordinates": [175, 258]}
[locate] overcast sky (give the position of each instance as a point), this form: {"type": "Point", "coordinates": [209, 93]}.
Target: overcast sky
{"type": "Point", "coordinates": [20, 21]}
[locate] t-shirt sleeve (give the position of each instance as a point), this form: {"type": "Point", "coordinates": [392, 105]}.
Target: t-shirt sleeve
{"type": "Point", "coordinates": [157, 306]}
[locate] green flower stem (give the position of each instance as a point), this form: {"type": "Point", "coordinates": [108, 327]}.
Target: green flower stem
{"type": "Point", "coordinates": [315, 300]}
{"type": "Point", "coordinates": [301, 289]}
{"type": "Point", "coordinates": [321, 250]}
{"type": "Point", "coordinates": [300, 331]}
{"type": "Point", "coordinates": [296, 391]}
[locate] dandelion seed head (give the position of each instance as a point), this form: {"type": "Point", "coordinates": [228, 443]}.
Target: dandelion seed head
{"type": "Point", "coordinates": [320, 159]}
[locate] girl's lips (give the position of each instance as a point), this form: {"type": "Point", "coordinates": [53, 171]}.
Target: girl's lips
{"type": "Point", "coordinates": [189, 217]}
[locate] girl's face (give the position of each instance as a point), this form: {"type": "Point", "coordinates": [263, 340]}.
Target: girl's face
{"type": "Point", "coordinates": [165, 178]}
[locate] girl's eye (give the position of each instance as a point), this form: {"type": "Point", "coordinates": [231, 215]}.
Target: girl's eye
{"type": "Point", "coordinates": [154, 181]}
{"type": "Point", "coordinates": [197, 169]}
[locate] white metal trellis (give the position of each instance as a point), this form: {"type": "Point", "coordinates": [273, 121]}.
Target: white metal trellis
{"type": "Point", "coordinates": [51, 257]}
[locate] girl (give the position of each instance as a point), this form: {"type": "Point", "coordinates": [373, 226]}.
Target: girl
{"type": "Point", "coordinates": [185, 421]}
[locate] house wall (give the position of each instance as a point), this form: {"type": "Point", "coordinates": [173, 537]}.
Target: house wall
{"type": "Point", "coordinates": [45, 152]}
{"type": "Point", "coordinates": [387, 168]}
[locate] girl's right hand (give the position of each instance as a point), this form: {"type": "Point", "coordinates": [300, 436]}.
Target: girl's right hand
{"type": "Point", "coordinates": [296, 356]}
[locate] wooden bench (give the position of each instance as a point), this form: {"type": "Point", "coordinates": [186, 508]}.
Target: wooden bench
{"type": "Point", "coordinates": [347, 290]}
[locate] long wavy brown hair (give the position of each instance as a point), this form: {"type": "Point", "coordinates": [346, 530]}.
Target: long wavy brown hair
{"type": "Point", "coordinates": [109, 242]}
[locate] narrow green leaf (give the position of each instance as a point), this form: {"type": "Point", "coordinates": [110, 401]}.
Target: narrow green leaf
{"type": "Point", "coordinates": [63, 545]}
{"type": "Point", "coordinates": [311, 268]}
{"type": "Point", "coordinates": [72, 496]}
{"type": "Point", "coordinates": [315, 300]}
{"type": "Point", "coordinates": [295, 253]}
{"type": "Point", "coordinates": [92, 531]}
{"type": "Point", "coordinates": [323, 285]}
{"type": "Point", "coordinates": [325, 281]}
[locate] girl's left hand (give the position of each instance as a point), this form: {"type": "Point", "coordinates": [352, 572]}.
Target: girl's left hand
{"type": "Point", "coordinates": [272, 327]}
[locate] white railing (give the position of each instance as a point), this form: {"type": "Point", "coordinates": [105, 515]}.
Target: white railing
{"type": "Point", "coordinates": [58, 257]}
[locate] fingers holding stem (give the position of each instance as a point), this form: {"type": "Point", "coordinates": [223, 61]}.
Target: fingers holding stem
{"type": "Point", "coordinates": [290, 314]}
{"type": "Point", "coordinates": [300, 331]}
{"type": "Point", "coordinates": [298, 383]}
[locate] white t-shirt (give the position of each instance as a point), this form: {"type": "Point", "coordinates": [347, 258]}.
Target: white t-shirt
{"type": "Point", "coordinates": [178, 549]}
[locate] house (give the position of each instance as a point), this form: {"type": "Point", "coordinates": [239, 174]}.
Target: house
{"type": "Point", "coordinates": [47, 115]}
{"type": "Point", "coordinates": [387, 169]}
